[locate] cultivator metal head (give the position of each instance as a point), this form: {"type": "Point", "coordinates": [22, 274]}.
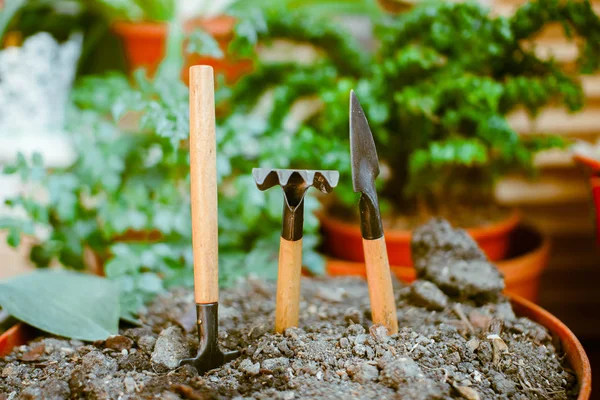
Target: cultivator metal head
{"type": "Point", "coordinates": [295, 183]}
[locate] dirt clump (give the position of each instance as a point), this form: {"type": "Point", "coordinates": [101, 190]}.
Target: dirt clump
{"type": "Point", "coordinates": [451, 259]}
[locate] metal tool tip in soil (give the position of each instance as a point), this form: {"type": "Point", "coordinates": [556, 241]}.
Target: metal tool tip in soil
{"type": "Point", "coordinates": [365, 164]}
{"type": "Point", "coordinates": [209, 355]}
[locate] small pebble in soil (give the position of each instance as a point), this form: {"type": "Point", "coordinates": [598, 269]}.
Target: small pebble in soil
{"type": "Point", "coordinates": [427, 295]}
{"type": "Point", "coordinates": [170, 348]}
{"type": "Point", "coordinates": [119, 343]}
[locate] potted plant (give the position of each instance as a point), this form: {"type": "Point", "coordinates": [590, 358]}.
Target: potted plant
{"type": "Point", "coordinates": [335, 349]}
{"type": "Point", "coordinates": [123, 204]}
{"type": "Point", "coordinates": [437, 97]}
{"type": "Point", "coordinates": [210, 26]}
{"type": "Point", "coordinates": [446, 112]}
{"type": "Point", "coordinates": [143, 28]}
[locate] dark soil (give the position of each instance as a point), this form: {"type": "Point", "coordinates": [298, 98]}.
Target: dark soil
{"type": "Point", "coordinates": [459, 338]}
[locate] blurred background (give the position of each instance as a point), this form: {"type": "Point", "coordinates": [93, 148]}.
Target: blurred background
{"type": "Point", "coordinates": [475, 108]}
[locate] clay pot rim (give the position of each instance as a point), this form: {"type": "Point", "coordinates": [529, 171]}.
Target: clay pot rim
{"type": "Point", "coordinates": [513, 266]}
{"type": "Point", "coordinates": [218, 26]}
{"type": "Point", "coordinates": [21, 333]}
{"type": "Point", "coordinates": [510, 267]}
{"type": "Point", "coordinates": [590, 162]}
{"type": "Point", "coordinates": [493, 229]}
{"type": "Point", "coordinates": [572, 346]}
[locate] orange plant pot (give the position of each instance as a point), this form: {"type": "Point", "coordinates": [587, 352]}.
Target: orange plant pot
{"type": "Point", "coordinates": [145, 44]}
{"type": "Point", "coordinates": [571, 345]}
{"type": "Point", "coordinates": [17, 335]}
{"type": "Point", "coordinates": [522, 271]}
{"type": "Point", "coordinates": [592, 167]}
{"type": "Point", "coordinates": [344, 241]}
{"type": "Point", "coordinates": [21, 334]}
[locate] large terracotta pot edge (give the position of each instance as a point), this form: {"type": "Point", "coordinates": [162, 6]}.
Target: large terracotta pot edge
{"type": "Point", "coordinates": [15, 336]}
{"type": "Point", "coordinates": [21, 333]}
{"type": "Point", "coordinates": [505, 224]}
{"type": "Point", "coordinates": [572, 346]}
{"type": "Point", "coordinates": [219, 26]}
{"type": "Point", "coordinates": [521, 273]}
{"type": "Point", "coordinates": [343, 238]}
{"type": "Point", "coordinates": [514, 266]}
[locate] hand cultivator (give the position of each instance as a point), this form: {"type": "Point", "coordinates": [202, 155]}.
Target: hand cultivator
{"type": "Point", "coordinates": [295, 184]}
{"type": "Point", "coordinates": [203, 176]}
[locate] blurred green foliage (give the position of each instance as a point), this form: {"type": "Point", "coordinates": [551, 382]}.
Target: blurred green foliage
{"type": "Point", "coordinates": [436, 92]}
{"type": "Point", "coordinates": [132, 179]}
{"type": "Point", "coordinates": [445, 78]}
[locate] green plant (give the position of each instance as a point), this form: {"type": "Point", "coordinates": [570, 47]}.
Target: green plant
{"type": "Point", "coordinates": [167, 10]}
{"type": "Point", "coordinates": [437, 93]}
{"type": "Point", "coordinates": [125, 198]}
{"type": "Point", "coordinates": [60, 17]}
{"type": "Point", "coordinates": [63, 303]}
{"type": "Point", "coordinates": [456, 72]}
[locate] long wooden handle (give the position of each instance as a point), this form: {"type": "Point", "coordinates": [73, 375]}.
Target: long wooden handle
{"type": "Point", "coordinates": [288, 284]}
{"type": "Point", "coordinates": [379, 278]}
{"type": "Point", "coordinates": [203, 176]}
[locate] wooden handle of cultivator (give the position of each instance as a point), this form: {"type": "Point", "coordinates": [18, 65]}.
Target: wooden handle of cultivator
{"type": "Point", "coordinates": [288, 284]}
{"type": "Point", "coordinates": [203, 176]}
{"type": "Point", "coordinates": [379, 278]}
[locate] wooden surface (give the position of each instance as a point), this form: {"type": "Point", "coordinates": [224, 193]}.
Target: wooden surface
{"type": "Point", "coordinates": [381, 294]}
{"type": "Point", "coordinates": [15, 261]}
{"type": "Point", "coordinates": [557, 199]}
{"type": "Point", "coordinates": [288, 284]}
{"type": "Point", "coordinates": [203, 170]}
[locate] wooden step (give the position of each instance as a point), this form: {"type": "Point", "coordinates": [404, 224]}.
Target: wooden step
{"type": "Point", "coordinates": [566, 187]}
{"type": "Point", "coordinates": [555, 120]}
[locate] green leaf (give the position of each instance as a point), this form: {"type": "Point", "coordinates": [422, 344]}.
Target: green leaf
{"type": "Point", "coordinates": [204, 44]}
{"type": "Point", "coordinates": [149, 283]}
{"type": "Point", "coordinates": [14, 237]}
{"type": "Point", "coordinates": [10, 9]}
{"type": "Point", "coordinates": [63, 303]}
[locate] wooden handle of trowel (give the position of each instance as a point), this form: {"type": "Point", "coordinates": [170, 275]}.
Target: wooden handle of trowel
{"type": "Point", "coordinates": [203, 176]}
{"type": "Point", "coordinates": [288, 284]}
{"type": "Point", "coordinates": [379, 277]}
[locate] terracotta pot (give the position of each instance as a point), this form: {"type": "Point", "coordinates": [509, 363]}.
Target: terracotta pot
{"type": "Point", "coordinates": [592, 167]}
{"type": "Point", "coordinates": [528, 250]}
{"type": "Point", "coordinates": [145, 44]}
{"type": "Point", "coordinates": [595, 183]}
{"type": "Point", "coordinates": [344, 241]}
{"type": "Point", "coordinates": [572, 347]}
{"type": "Point", "coordinates": [17, 335]}
{"type": "Point", "coordinates": [21, 334]}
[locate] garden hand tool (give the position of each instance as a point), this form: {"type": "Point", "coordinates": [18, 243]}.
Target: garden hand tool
{"type": "Point", "coordinates": [203, 176]}
{"type": "Point", "coordinates": [294, 183]}
{"type": "Point", "coordinates": [365, 168]}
